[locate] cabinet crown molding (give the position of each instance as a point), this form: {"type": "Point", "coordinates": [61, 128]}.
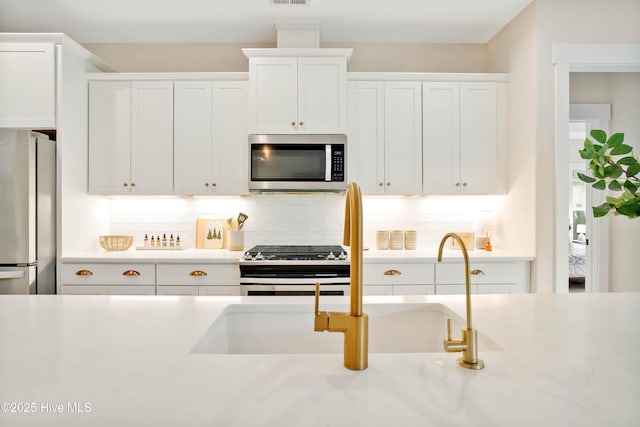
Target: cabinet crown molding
{"type": "Point", "coordinates": [307, 52]}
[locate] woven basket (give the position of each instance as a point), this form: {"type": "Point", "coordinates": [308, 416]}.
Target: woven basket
{"type": "Point", "coordinates": [116, 242]}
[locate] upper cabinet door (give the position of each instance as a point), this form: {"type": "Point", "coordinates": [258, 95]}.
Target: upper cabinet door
{"type": "Point", "coordinates": [109, 137]}
{"type": "Point", "coordinates": [152, 137]}
{"type": "Point", "coordinates": [403, 138]}
{"type": "Point", "coordinates": [291, 95]}
{"type": "Point", "coordinates": [230, 156]}
{"type": "Point", "coordinates": [365, 145]}
{"type": "Point", "coordinates": [322, 95]}
{"type": "Point", "coordinates": [274, 95]}
{"type": "Point", "coordinates": [478, 138]}
{"type": "Point", "coordinates": [27, 85]}
{"type": "Point", "coordinates": [192, 137]}
{"type": "Point", "coordinates": [441, 137]}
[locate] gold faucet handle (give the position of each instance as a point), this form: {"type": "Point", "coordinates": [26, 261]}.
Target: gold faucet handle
{"type": "Point", "coordinates": [321, 318]}
{"type": "Point", "coordinates": [450, 345]}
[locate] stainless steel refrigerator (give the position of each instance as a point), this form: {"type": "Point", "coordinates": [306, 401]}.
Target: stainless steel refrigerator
{"type": "Point", "coordinates": [27, 213]}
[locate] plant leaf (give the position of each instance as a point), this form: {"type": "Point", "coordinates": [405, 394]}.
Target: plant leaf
{"type": "Point", "coordinates": [628, 161]}
{"type": "Point", "coordinates": [630, 187]}
{"type": "Point", "coordinates": [586, 178]}
{"type": "Point", "coordinates": [615, 140]}
{"type": "Point", "coordinates": [630, 208]}
{"type": "Point", "coordinates": [587, 153]}
{"type": "Point", "coordinates": [602, 210]}
{"type": "Point", "coordinates": [621, 149]}
{"type": "Point", "coordinates": [615, 186]}
{"type": "Point", "coordinates": [600, 185]}
{"type": "Point", "coordinates": [598, 135]}
{"type": "Point", "coordinates": [633, 170]}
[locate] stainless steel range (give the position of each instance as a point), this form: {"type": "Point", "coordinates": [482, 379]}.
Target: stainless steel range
{"type": "Point", "coordinates": [294, 270]}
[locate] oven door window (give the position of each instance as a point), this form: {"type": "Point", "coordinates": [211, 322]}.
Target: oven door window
{"type": "Point", "coordinates": [288, 162]}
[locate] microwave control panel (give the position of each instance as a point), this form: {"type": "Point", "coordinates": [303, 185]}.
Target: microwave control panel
{"type": "Point", "coordinates": [337, 167]}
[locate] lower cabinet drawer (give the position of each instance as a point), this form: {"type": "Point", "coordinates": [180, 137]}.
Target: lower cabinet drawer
{"type": "Point", "coordinates": [486, 273]}
{"type": "Point", "coordinates": [108, 290]}
{"type": "Point", "coordinates": [198, 274]}
{"type": "Point", "coordinates": [177, 290]}
{"type": "Point", "coordinates": [369, 289]}
{"type": "Point", "coordinates": [219, 290]}
{"type": "Point", "coordinates": [392, 274]}
{"type": "Point", "coordinates": [108, 274]}
{"type": "Point", "coordinates": [413, 289]}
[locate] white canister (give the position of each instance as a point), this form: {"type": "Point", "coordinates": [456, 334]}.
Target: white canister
{"type": "Point", "coordinates": [410, 239]}
{"type": "Point", "coordinates": [396, 239]}
{"type": "Point", "coordinates": [382, 239]}
{"type": "Point", "coordinates": [236, 240]}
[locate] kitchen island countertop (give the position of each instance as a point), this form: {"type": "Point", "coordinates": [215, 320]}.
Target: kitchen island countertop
{"type": "Point", "coordinates": [567, 360]}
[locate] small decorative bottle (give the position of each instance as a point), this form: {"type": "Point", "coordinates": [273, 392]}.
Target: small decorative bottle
{"type": "Point", "coordinates": [178, 244]}
{"type": "Point", "coordinates": [153, 241]}
{"type": "Point", "coordinates": [172, 241]}
{"type": "Point", "coordinates": [146, 241]}
{"type": "Point", "coordinates": [164, 240]}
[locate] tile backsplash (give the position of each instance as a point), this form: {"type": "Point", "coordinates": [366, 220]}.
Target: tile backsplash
{"type": "Point", "coordinates": [305, 219]}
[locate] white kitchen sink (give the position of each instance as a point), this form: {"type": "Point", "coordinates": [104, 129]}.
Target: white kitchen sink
{"type": "Point", "coordinates": [288, 329]}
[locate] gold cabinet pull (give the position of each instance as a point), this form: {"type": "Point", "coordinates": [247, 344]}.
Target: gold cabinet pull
{"type": "Point", "coordinates": [388, 184]}
{"type": "Point", "coordinates": [380, 184]}
{"type": "Point", "coordinates": [293, 123]}
{"type": "Point", "coordinates": [464, 184]}
{"type": "Point", "coordinates": [124, 184]}
{"type": "Point", "coordinates": [206, 184]}
{"type": "Point", "coordinates": [84, 273]}
{"type": "Point", "coordinates": [392, 273]}
{"type": "Point", "coordinates": [131, 273]}
{"type": "Point", "coordinates": [213, 184]}
{"type": "Point", "coordinates": [477, 272]}
{"type": "Point", "coordinates": [198, 273]}
{"type": "Point", "coordinates": [457, 184]}
{"type": "Point", "coordinates": [301, 123]}
{"type": "Point", "coordinates": [133, 184]}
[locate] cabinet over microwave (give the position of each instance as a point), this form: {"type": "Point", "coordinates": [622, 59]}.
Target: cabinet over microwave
{"type": "Point", "coordinates": [297, 162]}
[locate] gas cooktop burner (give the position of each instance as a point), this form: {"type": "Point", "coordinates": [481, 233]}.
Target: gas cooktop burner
{"type": "Point", "coordinates": [295, 253]}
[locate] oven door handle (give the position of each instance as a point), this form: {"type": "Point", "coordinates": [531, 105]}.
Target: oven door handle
{"type": "Point", "coordinates": [301, 281]}
{"type": "Point", "coordinates": [291, 288]}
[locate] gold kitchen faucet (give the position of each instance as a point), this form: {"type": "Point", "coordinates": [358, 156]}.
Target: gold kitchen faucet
{"type": "Point", "coordinates": [355, 324]}
{"type": "Point", "coordinates": [468, 345]}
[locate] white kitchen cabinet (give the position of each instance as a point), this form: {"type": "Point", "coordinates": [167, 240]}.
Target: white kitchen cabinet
{"type": "Point", "coordinates": [290, 95]}
{"type": "Point", "coordinates": [28, 85]}
{"type": "Point", "coordinates": [486, 278]}
{"type": "Point", "coordinates": [198, 279]}
{"type": "Point", "coordinates": [131, 137]}
{"type": "Point", "coordinates": [401, 278]}
{"type": "Point", "coordinates": [108, 279]}
{"type": "Point", "coordinates": [463, 137]}
{"type": "Point", "coordinates": [385, 137]}
{"type": "Point", "coordinates": [210, 137]}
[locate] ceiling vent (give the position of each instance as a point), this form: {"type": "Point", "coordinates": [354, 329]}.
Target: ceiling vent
{"type": "Point", "coordinates": [291, 2]}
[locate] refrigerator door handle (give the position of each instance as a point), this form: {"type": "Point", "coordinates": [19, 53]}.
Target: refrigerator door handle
{"type": "Point", "coordinates": [18, 274]}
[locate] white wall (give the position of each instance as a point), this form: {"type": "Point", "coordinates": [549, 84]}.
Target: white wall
{"type": "Point", "coordinates": [404, 57]}
{"type": "Point", "coordinates": [512, 50]}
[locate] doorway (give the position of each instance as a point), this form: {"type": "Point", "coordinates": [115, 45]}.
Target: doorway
{"type": "Point", "coordinates": [586, 236]}
{"type": "Point", "coordinates": [568, 58]}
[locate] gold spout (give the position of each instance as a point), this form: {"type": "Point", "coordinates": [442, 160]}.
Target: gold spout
{"type": "Point", "coordinates": [468, 345]}
{"type": "Point", "coordinates": [354, 324]}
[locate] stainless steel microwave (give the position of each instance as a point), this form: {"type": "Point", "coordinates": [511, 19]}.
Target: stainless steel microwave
{"type": "Point", "coordinates": [297, 162]}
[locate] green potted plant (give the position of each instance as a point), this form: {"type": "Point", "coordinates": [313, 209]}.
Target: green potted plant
{"type": "Point", "coordinates": [613, 166]}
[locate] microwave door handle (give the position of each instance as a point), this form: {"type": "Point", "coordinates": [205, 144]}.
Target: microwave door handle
{"type": "Point", "coordinates": [327, 163]}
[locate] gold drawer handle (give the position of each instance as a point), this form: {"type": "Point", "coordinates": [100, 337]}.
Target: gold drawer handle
{"type": "Point", "coordinates": [131, 273]}
{"type": "Point", "coordinates": [477, 273]}
{"type": "Point", "coordinates": [198, 273]}
{"type": "Point", "coordinates": [392, 273]}
{"type": "Point", "coordinates": [84, 273]}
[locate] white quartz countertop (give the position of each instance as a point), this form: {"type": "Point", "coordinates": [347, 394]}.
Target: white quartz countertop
{"type": "Point", "coordinates": [567, 360]}
{"type": "Point", "coordinates": [213, 256]}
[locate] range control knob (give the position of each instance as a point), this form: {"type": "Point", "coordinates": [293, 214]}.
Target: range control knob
{"type": "Point", "coordinates": [259, 256]}
{"type": "Point", "coordinates": [247, 256]}
{"type": "Point", "coordinates": [331, 256]}
{"type": "Point", "coordinates": [342, 256]}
